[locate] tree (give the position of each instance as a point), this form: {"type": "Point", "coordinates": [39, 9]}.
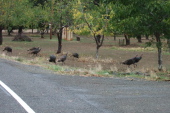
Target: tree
{"type": "Point", "coordinates": [144, 17]}
{"type": "Point", "coordinates": [96, 17]}
{"type": "Point", "coordinates": [60, 16]}
{"type": "Point", "coordinates": [22, 16]}
{"type": "Point", "coordinates": [157, 14]}
{"type": "Point", "coordinates": [5, 15]}
{"type": "Point", "coordinates": [41, 18]}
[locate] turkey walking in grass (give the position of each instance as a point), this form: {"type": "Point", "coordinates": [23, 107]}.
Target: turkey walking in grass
{"type": "Point", "coordinates": [130, 61]}
{"type": "Point", "coordinates": [52, 59]}
{"type": "Point", "coordinates": [63, 58]}
{"type": "Point", "coordinates": [137, 59]}
{"type": "Point", "coordinates": [35, 51]}
{"type": "Point", "coordinates": [33, 48]}
{"type": "Point", "coordinates": [75, 55]}
{"type": "Point", "coordinates": [8, 49]}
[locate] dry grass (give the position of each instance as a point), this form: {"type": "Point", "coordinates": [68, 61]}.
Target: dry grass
{"type": "Point", "coordinates": [94, 60]}
{"type": "Point", "coordinates": [97, 70]}
{"type": "Point", "coordinates": [139, 49]}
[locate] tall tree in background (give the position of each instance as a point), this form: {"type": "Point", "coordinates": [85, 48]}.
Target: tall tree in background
{"type": "Point", "coordinates": [41, 18]}
{"type": "Point", "coordinates": [92, 17]}
{"type": "Point", "coordinates": [157, 17]}
{"type": "Point", "coordinates": [143, 17]}
{"type": "Point", "coordinates": [6, 15]}
{"type": "Point", "coordinates": [61, 16]}
{"type": "Point", "coordinates": [22, 16]}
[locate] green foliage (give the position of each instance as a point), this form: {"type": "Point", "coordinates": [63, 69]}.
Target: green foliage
{"type": "Point", "coordinates": [148, 44]}
{"type": "Point", "coordinates": [41, 16]}
{"type": "Point", "coordinates": [132, 17]}
{"type": "Point", "coordinates": [38, 2]}
{"type": "Point", "coordinates": [22, 13]}
{"type": "Point", "coordinates": [6, 12]}
{"type": "Point", "coordinates": [141, 16]}
{"type": "Point", "coordinates": [90, 17]}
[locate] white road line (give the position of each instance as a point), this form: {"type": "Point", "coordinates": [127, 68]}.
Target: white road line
{"type": "Point", "coordinates": [23, 104]}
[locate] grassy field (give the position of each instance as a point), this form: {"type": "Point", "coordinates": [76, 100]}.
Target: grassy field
{"type": "Point", "coordinates": [108, 64]}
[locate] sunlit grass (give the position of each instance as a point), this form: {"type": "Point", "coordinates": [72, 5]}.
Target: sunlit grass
{"type": "Point", "coordinates": [134, 48]}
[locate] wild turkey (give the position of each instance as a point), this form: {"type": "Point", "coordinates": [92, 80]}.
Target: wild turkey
{"type": "Point", "coordinates": [76, 55]}
{"type": "Point", "coordinates": [52, 58]}
{"type": "Point", "coordinates": [130, 61]}
{"type": "Point", "coordinates": [137, 59]}
{"type": "Point", "coordinates": [35, 51]}
{"type": "Point", "coordinates": [31, 49]}
{"type": "Point", "coordinates": [63, 58]}
{"type": "Point", "coordinates": [8, 49]}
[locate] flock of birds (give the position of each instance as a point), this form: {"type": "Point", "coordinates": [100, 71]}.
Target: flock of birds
{"type": "Point", "coordinates": [52, 58]}
{"type": "Point", "coordinates": [62, 58]}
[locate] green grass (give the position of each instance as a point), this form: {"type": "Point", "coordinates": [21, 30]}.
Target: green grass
{"type": "Point", "coordinates": [34, 35]}
{"type": "Point", "coordinates": [20, 48]}
{"type": "Point", "coordinates": [104, 73]}
{"type": "Point", "coordinates": [55, 68]}
{"type": "Point", "coordinates": [114, 48]}
{"type": "Point", "coordinates": [163, 78]}
{"type": "Point", "coordinates": [19, 59]}
{"type": "Point", "coordinates": [166, 53]}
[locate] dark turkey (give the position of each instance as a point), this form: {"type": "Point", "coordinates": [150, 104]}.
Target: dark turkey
{"type": "Point", "coordinates": [35, 51]}
{"type": "Point", "coordinates": [52, 58]}
{"type": "Point", "coordinates": [130, 61]}
{"type": "Point", "coordinates": [33, 48]}
{"type": "Point", "coordinates": [137, 59]}
{"type": "Point", "coordinates": [8, 49]}
{"type": "Point", "coordinates": [63, 58]}
{"type": "Point", "coordinates": [76, 55]}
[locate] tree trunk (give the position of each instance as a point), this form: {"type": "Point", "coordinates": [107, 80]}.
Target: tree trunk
{"type": "Point", "coordinates": [9, 32]}
{"type": "Point", "coordinates": [97, 52]}
{"type": "Point", "coordinates": [20, 30]}
{"type": "Point", "coordinates": [160, 59]}
{"type": "Point", "coordinates": [99, 41]}
{"type": "Point", "coordinates": [1, 39]}
{"type": "Point", "coordinates": [139, 39]}
{"type": "Point", "coordinates": [42, 33]}
{"type": "Point", "coordinates": [51, 31]}
{"type": "Point", "coordinates": [59, 36]}
{"type": "Point", "coordinates": [147, 37]}
{"type": "Point", "coordinates": [59, 43]}
{"type": "Point", "coordinates": [159, 47]}
{"type": "Point", "coordinates": [114, 36]}
{"type": "Point", "coordinates": [127, 39]}
{"type": "Point", "coordinates": [168, 42]}
{"type": "Point", "coordinates": [98, 37]}
{"type": "Point", "coordinates": [9, 29]}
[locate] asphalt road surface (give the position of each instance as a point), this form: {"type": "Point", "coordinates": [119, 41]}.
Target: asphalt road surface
{"type": "Point", "coordinates": [44, 92]}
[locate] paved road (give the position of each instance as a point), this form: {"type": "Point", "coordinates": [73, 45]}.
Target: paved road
{"type": "Point", "coordinates": [45, 92]}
